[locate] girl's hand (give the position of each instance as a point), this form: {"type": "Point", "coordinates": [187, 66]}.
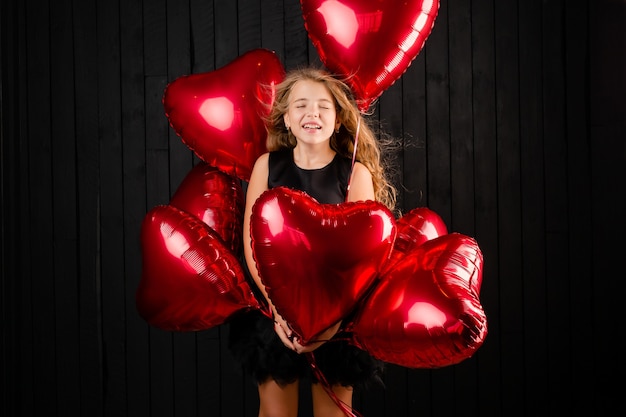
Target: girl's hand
{"type": "Point", "coordinates": [324, 337]}
{"type": "Point", "coordinates": [284, 331]}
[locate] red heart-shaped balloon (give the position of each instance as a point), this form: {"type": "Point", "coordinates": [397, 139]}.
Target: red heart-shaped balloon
{"type": "Point", "coordinates": [414, 228]}
{"type": "Point", "coordinates": [370, 41]}
{"type": "Point", "coordinates": [215, 198]}
{"type": "Point", "coordinates": [317, 260]}
{"type": "Point", "coordinates": [425, 312]}
{"type": "Point", "coordinates": [190, 281]}
{"type": "Point", "coordinates": [219, 114]}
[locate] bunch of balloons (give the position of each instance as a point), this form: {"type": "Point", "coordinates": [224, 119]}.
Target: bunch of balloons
{"type": "Point", "coordinates": [192, 278]}
{"type": "Point", "coordinates": [410, 288]}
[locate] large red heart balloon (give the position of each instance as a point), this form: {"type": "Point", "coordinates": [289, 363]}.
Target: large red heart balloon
{"type": "Point", "coordinates": [370, 41]}
{"type": "Point", "coordinates": [215, 198]}
{"type": "Point", "coordinates": [318, 260]}
{"type": "Point", "coordinates": [190, 281]}
{"type": "Point", "coordinates": [425, 312]}
{"type": "Point", "coordinates": [414, 228]}
{"type": "Point", "coordinates": [219, 114]}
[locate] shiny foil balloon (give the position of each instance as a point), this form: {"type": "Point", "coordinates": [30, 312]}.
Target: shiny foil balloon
{"type": "Point", "coordinates": [414, 228]}
{"type": "Point", "coordinates": [317, 260]}
{"type": "Point", "coordinates": [219, 114]}
{"type": "Point", "coordinates": [371, 41]}
{"type": "Point", "coordinates": [215, 198]}
{"type": "Point", "coordinates": [425, 312]}
{"type": "Point", "coordinates": [190, 281]}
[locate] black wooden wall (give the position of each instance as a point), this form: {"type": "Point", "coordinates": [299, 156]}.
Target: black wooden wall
{"type": "Point", "coordinates": [512, 123]}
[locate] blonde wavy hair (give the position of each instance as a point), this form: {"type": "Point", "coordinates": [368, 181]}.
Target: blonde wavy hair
{"type": "Point", "coordinates": [368, 151]}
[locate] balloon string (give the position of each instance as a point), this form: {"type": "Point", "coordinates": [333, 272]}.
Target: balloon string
{"type": "Point", "coordinates": [322, 379]}
{"type": "Point", "coordinates": [356, 141]}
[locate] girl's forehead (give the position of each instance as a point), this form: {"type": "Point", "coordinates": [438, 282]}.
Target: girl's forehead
{"type": "Point", "coordinates": [310, 90]}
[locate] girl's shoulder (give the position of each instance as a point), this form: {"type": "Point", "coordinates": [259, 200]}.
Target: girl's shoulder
{"type": "Point", "coordinates": [262, 159]}
{"type": "Point", "coordinates": [361, 169]}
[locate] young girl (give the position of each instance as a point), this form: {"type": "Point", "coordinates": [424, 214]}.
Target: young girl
{"type": "Point", "coordinates": [311, 136]}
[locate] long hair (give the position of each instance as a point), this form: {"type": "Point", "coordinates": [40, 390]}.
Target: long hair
{"type": "Point", "coordinates": [367, 151]}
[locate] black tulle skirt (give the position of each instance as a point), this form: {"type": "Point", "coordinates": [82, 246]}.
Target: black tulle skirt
{"type": "Point", "coordinates": [256, 346]}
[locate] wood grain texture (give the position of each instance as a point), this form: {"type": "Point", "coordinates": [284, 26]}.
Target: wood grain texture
{"type": "Point", "coordinates": [509, 124]}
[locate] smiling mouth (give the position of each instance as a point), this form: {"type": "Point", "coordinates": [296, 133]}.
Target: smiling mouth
{"type": "Point", "coordinates": [307, 126]}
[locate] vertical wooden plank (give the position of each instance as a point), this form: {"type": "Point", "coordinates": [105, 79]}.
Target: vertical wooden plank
{"type": "Point", "coordinates": [580, 220]}
{"type": "Point", "coordinates": [210, 360]}
{"type": "Point", "coordinates": [202, 36]}
{"type": "Point", "coordinates": [313, 55]}
{"type": "Point", "coordinates": [226, 32]}
{"type": "Point", "coordinates": [533, 220]}
{"type": "Point", "coordinates": [438, 117]}
{"type": "Point", "coordinates": [485, 200]}
{"type": "Point", "coordinates": [461, 118]}
{"type": "Point", "coordinates": [161, 373]}
{"type": "Point", "coordinates": [556, 210]}
{"type": "Point", "coordinates": [155, 38]}
{"type": "Point", "coordinates": [185, 370]}
{"type": "Point", "coordinates": [296, 38]}
{"type": "Point", "coordinates": [509, 209]}
{"type": "Point", "coordinates": [414, 187]}
{"type": "Point", "coordinates": [178, 38]}
{"type": "Point", "coordinates": [16, 257]}
{"type": "Point", "coordinates": [249, 18]}
{"type": "Point", "coordinates": [111, 209]}
{"type": "Point", "coordinates": [394, 398]}
{"type": "Point", "coordinates": [608, 167]}
{"type": "Point", "coordinates": [134, 173]}
{"type": "Point", "coordinates": [156, 80]}
{"type": "Point", "coordinates": [64, 208]}
{"type": "Point", "coordinates": [88, 189]}
{"type": "Point", "coordinates": [390, 112]}
{"type": "Point", "coordinates": [40, 212]}
{"type": "Point", "coordinates": [26, 358]}
{"type": "Point", "coordinates": [272, 30]}
{"type": "Point", "coordinates": [419, 392]}
{"type": "Point", "coordinates": [13, 176]}
{"type": "Point", "coordinates": [237, 394]}
{"type": "Point", "coordinates": [178, 64]}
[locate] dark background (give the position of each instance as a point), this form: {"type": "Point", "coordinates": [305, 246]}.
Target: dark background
{"type": "Point", "coordinates": [512, 123]}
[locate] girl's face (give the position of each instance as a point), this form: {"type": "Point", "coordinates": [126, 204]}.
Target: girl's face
{"type": "Point", "coordinates": [311, 115]}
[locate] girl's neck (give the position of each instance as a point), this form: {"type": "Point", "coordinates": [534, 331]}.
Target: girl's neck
{"type": "Point", "coordinates": [314, 157]}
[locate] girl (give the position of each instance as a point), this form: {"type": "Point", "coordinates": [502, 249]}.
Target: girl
{"type": "Point", "coordinates": [312, 127]}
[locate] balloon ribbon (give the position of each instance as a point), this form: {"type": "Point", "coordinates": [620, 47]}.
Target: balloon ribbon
{"type": "Point", "coordinates": [322, 379]}
{"type": "Point", "coordinates": [356, 141]}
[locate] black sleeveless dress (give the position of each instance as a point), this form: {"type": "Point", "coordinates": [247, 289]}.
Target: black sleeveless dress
{"type": "Point", "coordinates": [252, 339]}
